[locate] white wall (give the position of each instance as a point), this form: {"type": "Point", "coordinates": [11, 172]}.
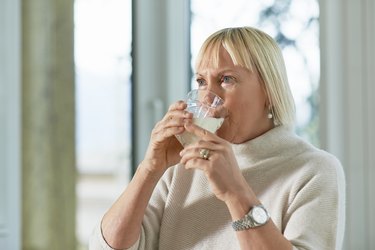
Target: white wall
{"type": "Point", "coordinates": [347, 107]}
{"type": "Point", "coordinates": [10, 184]}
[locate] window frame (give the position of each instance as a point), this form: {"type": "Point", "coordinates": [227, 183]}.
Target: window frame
{"type": "Point", "coordinates": [10, 125]}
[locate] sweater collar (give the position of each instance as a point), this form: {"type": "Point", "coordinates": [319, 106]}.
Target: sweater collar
{"type": "Point", "coordinates": [276, 141]}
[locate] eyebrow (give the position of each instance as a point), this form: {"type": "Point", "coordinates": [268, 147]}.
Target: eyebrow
{"type": "Point", "coordinates": [220, 72]}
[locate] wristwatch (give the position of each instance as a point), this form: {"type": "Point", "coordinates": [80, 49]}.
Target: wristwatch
{"type": "Point", "coordinates": [257, 216]}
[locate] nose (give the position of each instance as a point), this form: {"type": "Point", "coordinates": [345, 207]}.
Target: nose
{"type": "Point", "coordinates": [211, 99]}
{"type": "Point", "coordinates": [212, 87]}
{"type": "Point", "coordinates": [216, 93]}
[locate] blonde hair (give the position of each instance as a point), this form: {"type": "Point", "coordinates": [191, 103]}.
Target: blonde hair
{"type": "Point", "coordinates": [258, 52]}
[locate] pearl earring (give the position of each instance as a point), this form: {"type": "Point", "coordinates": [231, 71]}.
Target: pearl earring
{"type": "Point", "coordinates": [270, 112]}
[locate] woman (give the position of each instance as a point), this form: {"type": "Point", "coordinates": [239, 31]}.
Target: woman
{"type": "Point", "coordinates": [252, 185]}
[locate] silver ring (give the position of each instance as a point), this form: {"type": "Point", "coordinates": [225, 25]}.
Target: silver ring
{"type": "Point", "coordinates": [204, 153]}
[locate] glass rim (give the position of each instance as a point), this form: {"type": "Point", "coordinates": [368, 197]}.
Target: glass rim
{"type": "Point", "coordinates": [217, 98]}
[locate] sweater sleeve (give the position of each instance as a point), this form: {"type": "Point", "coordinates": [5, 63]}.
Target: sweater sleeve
{"type": "Point", "coordinates": [97, 241]}
{"type": "Point", "coordinates": [149, 237]}
{"type": "Point", "coordinates": [315, 215]}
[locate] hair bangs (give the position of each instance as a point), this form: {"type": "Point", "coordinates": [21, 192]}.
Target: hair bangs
{"type": "Point", "coordinates": [239, 47]}
{"type": "Point", "coordinates": [208, 56]}
{"type": "Point", "coordinates": [234, 42]}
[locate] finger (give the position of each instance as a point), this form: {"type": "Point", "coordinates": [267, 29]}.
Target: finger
{"type": "Point", "coordinates": [167, 132]}
{"type": "Point", "coordinates": [200, 132]}
{"type": "Point", "coordinates": [192, 159]}
{"type": "Point", "coordinates": [196, 163]}
{"type": "Point", "coordinates": [201, 144]}
{"type": "Point", "coordinates": [173, 118]}
{"type": "Point", "coordinates": [173, 122]}
{"type": "Point", "coordinates": [180, 105]}
{"type": "Point", "coordinates": [177, 115]}
{"type": "Point", "coordinates": [191, 153]}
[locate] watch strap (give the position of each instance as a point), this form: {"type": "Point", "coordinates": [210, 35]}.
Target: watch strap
{"type": "Point", "coordinates": [247, 221]}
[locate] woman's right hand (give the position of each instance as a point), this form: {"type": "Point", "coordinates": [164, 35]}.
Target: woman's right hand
{"type": "Point", "coordinates": [121, 225]}
{"type": "Point", "coordinates": [163, 149]}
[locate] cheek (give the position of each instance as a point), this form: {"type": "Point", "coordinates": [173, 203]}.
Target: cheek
{"type": "Point", "coordinates": [237, 111]}
{"type": "Point", "coordinates": [234, 105]}
{"type": "Point", "coordinates": [245, 111]}
{"type": "Point", "coordinates": [242, 106]}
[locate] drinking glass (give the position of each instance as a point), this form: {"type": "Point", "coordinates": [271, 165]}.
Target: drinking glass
{"type": "Point", "coordinates": [208, 113]}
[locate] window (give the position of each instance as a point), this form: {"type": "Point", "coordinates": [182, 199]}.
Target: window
{"type": "Point", "coordinates": [103, 101]}
{"type": "Point", "coordinates": [294, 25]}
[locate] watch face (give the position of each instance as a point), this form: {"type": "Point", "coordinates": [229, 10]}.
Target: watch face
{"type": "Point", "coordinates": [259, 215]}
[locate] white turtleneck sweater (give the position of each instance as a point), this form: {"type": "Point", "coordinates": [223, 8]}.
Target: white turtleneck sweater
{"type": "Point", "coordinates": [302, 187]}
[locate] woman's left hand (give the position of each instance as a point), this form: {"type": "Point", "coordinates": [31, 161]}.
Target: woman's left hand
{"type": "Point", "coordinates": [220, 166]}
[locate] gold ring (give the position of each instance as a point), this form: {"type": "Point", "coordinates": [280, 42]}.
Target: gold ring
{"type": "Point", "coordinates": [204, 153]}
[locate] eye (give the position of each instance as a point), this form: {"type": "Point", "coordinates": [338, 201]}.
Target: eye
{"type": "Point", "coordinates": [227, 81]}
{"type": "Point", "coordinates": [201, 82]}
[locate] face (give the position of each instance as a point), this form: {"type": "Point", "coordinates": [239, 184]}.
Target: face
{"type": "Point", "coordinates": [244, 98]}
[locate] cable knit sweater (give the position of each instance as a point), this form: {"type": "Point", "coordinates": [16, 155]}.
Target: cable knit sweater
{"type": "Point", "coordinates": [302, 187]}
